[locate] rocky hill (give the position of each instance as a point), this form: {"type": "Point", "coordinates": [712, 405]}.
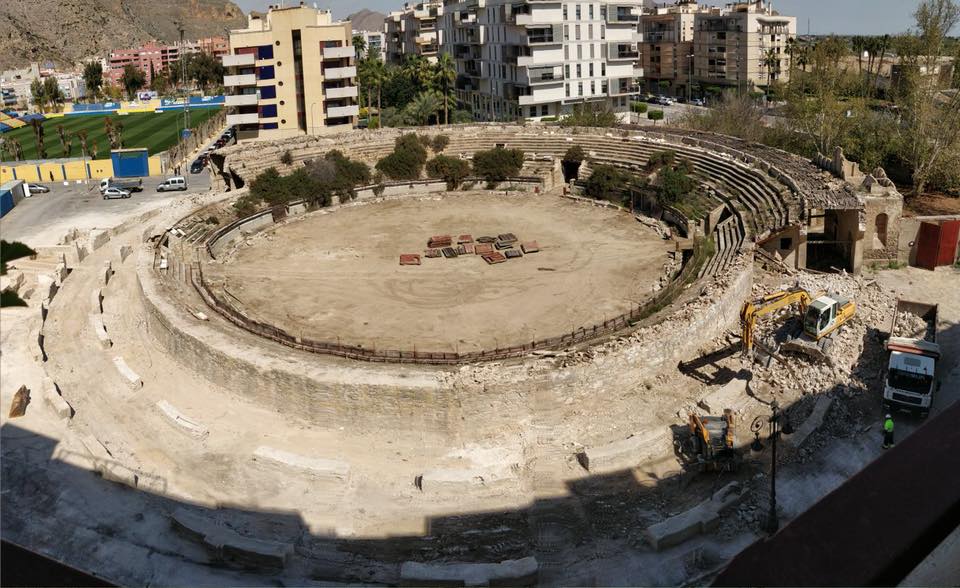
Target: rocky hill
{"type": "Point", "coordinates": [367, 20]}
{"type": "Point", "coordinates": [64, 31]}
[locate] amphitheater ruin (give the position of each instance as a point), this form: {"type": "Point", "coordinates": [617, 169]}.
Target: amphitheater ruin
{"type": "Point", "coordinates": [274, 397]}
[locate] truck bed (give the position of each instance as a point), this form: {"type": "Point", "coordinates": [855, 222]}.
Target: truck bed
{"type": "Point", "coordinates": [915, 320]}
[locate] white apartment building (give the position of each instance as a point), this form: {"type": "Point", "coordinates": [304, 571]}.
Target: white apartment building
{"type": "Point", "coordinates": [376, 44]}
{"type": "Point", "coordinates": [538, 58]}
{"type": "Point", "coordinates": [415, 30]}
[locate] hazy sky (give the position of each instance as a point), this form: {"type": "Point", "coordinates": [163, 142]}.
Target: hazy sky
{"type": "Point", "coordinates": [868, 17]}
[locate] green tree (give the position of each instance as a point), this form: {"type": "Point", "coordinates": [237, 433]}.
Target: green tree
{"type": "Point", "coordinates": [38, 138]}
{"type": "Point", "coordinates": [93, 79]}
{"type": "Point", "coordinates": [82, 136]}
{"type": "Point", "coordinates": [52, 92]}
{"type": "Point", "coordinates": [655, 115]}
{"type": "Point", "coordinates": [445, 74]}
{"type": "Point", "coordinates": [132, 80]}
{"type": "Point", "coordinates": [38, 94]}
{"type": "Point", "coordinates": [359, 46]}
{"type": "Point", "coordinates": [424, 106]}
{"type": "Point", "coordinates": [607, 182]}
{"type": "Point", "coordinates": [574, 154]}
{"type": "Point", "coordinates": [816, 109]}
{"type": "Point", "coordinates": [590, 115]}
{"type": "Point", "coordinates": [451, 169]}
{"type": "Point", "coordinates": [406, 161]}
{"type": "Point", "coordinates": [497, 164]}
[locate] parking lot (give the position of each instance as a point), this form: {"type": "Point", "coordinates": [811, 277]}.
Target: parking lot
{"type": "Point", "coordinates": [42, 219]}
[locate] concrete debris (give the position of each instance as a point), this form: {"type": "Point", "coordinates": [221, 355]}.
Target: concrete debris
{"type": "Point", "coordinates": [130, 376]}
{"type": "Point", "coordinates": [182, 422]}
{"type": "Point", "coordinates": [628, 452]}
{"type": "Point", "coordinates": [11, 282]}
{"type": "Point", "coordinates": [513, 572]}
{"type": "Point", "coordinates": [98, 238]}
{"type": "Point", "coordinates": [732, 395]}
{"type": "Point", "coordinates": [96, 321]}
{"type": "Point", "coordinates": [227, 545]}
{"type": "Point", "coordinates": [703, 518]}
{"type": "Point", "coordinates": [911, 326]}
{"type": "Point", "coordinates": [812, 423]}
{"type": "Point", "coordinates": [53, 398]}
{"type": "Point", "coordinates": [329, 469]}
{"type": "Point", "coordinates": [21, 399]}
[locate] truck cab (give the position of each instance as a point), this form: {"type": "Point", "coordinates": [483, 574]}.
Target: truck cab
{"type": "Point", "coordinates": [910, 382]}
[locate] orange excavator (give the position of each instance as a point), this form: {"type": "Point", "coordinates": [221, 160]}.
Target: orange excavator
{"type": "Point", "coordinates": [713, 442]}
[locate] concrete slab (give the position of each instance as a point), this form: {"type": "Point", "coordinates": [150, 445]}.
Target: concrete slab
{"type": "Point", "coordinates": [812, 423]}
{"type": "Point", "coordinates": [227, 544]}
{"type": "Point", "coordinates": [323, 468]}
{"type": "Point", "coordinates": [732, 395]}
{"type": "Point", "coordinates": [511, 572]}
{"type": "Point", "coordinates": [463, 480]}
{"type": "Point", "coordinates": [130, 376]}
{"type": "Point", "coordinates": [55, 401]}
{"type": "Point", "coordinates": [105, 464]}
{"type": "Point", "coordinates": [46, 286]}
{"type": "Point", "coordinates": [629, 452]}
{"type": "Point", "coordinates": [12, 281]}
{"type": "Point", "coordinates": [702, 518]}
{"type": "Point", "coordinates": [98, 238]}
{"type": "Point", "coordinates": [182, 422]}
{"type": "Point", "coordinates": [96, 301]}
{"type": "Point", "coordinates": [96, 321]}
{"type": "Point", "coordinates": [123, 252]}
{"type": "Point", "coordinates": [60, 272]}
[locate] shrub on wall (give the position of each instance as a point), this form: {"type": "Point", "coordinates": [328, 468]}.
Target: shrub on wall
{"type": "Point", "coordinates": [607, 183]}
{"type": "Point", "coordinates": [286, 158]}
{"type": "Point", "coordinates": [407, 159]}
{"type": "Point", "coordinates": [498, 164]}
{"type": "Point", "coordinates": [440, 143]}
{"type": "Point", "coordinates": [451, 169]}
{"type": "Point", "coordinates": [589, 115]}
{"type": "Point", "coordinates": [575, 154]}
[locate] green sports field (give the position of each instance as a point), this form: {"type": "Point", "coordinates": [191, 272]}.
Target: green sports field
{"type": "Point", "coordinates": [156, 132]}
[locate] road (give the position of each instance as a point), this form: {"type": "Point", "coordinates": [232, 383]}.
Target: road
{"type": "Point", "coordinates": [43, 219]}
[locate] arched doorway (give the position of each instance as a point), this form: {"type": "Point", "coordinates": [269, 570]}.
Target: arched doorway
{"type": "Point", "coordinates": [880, 230]}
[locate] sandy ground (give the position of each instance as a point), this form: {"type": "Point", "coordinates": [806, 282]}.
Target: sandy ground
{"type": "Point", "coordinates": [337, 276]}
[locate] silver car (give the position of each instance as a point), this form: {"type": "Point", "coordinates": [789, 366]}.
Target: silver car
{"type": "Point", "coordinates": [114, 192]}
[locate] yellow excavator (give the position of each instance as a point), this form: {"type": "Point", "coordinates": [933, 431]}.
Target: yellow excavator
{"type": "Point", "coordinates": [821, 315]}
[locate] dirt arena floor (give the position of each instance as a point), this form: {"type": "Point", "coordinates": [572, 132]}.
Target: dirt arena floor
{"type": "Point", "coordinates": [331, 276]}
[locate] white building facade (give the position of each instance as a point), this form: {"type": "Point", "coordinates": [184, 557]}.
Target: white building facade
{"type": "Point", "coordinates": [537, 59]}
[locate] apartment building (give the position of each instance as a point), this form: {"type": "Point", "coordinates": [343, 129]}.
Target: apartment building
{"type": "Point", "coordinates": [415, 30]}
{"type": "Point", "coordinates": [216, 46]}
{"type": "Point", "coordinates": [742, 46]}
{"type": "Point", "coordinates": [291, 72]}
{"type": "Point", "coordinates": [540, 58]}
{"type": "Point", "coordinates": [667, 56]}
{"type": "Point", "coordinates": [376, 43]}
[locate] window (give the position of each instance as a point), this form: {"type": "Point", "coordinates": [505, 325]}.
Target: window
{"type": "Point", "coordinates": [593, 87]}
{"type": "Point", "coordinates": [590, 11]}
{"type": "Point", "coordinates": [564, 12]}
{"type": "Point", "coordinates": [566, 52]}
{"type": "Point", "coordinates": [590, 69]}
{"type": "Point", "coordinates": [880, 226]}
{"type": "Point", "coordinates": [576, 31]}
{"type": "Point", "coordinates": [544, 110]}
{"type": "Point", "coordinates": [579, 51]}
{"type": "Point", "coordinates": [566, 70]}
{"type": "Point", "coordinates": [265, 126]}
{"type": "Point", "coordinates": [265, 52]}
{"type": "Point", "coordinates": [603, 69]}
{"type": "Point", "coordinates": [579, 88]}
{"type": "Point", "coordinates": [578, 12]}
{"type": "Point", "coordinates": [603, 12]}
{"type": "Point", "coordinates": [268, 111]}
{"type": "Point", "coordinates": [265, 72]}
{"type": "Point", "coordinates": [566, 32]}
{"type": "Point", "coordinates": [568, 90]}
{"type": "Point", "coordinates": [591, 51]}
{"type": "Point", "coordinates": [786, 243]}
{"type": "Point", "coordinates": [590, 31]}
{"type": "Point", "coordinates": [578, 71]}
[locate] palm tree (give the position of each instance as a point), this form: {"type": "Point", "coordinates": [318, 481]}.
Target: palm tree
{"type": "Point", "coordinates": [791, 51]}
{"type": "Point", "coordinates": [63, 139]}
{"type": "Point", "coordinates": [423, 106]}
{"type": "Point", "coordinates": [38, 137]}
{"type": "Point", "coordinates": [859, 45]}
{"type": "Point", "coordinates": [360, 46]}
{"type": "Point", "coordinates": [83, 143]}
{"type": "Point", "coordinates": [378, 74]}
{"type": "Point", "coordinates": [883, 43]}
{"type": "Point", "coordinates": [445, 74]}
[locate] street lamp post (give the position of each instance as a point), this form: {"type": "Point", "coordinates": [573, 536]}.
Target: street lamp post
{"type": "Point", "coordinates": [776, 430]}
{"type": "Point", "coordinates": [689, 77]}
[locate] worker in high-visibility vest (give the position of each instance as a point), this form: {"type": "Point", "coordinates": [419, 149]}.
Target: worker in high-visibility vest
{"type": "Point", "coordinates": [888, 432]}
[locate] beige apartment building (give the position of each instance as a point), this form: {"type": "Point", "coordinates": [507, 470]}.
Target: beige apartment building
{"type": "Point", "coordinates": [688, 47]}
{"type": "Point", "coordinates": [415, 30]}
{"type": "Point", "coordinates": [291, 72]}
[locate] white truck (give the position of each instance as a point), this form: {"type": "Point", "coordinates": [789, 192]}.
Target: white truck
{"type": "Point", "coordinates": [912, 368]}
{"type": "Point", "coordinates": [128, 184]}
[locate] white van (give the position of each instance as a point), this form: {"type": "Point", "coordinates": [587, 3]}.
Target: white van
{"type": "Point", "coordinates": [174, 183]}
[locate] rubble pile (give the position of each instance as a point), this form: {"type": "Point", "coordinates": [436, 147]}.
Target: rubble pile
{"type": "Point", "coordinates": [912, 326]}
{"type": "Point", "coordinates": [857, 351]}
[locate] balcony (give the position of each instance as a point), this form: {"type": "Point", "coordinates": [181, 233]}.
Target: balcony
{"type": "Point", "coordinates": [426, 39]}
{"type": "Point", "coordinates": [622, 86]}
{"type": "Point", "coordinates": [523, 20]}
{"type": "Point", "coordinates": [240, 80]}
{"type": "Point", "coordinates": [340, 73]}
{"type": "Point", "coordinates": [341, 111]}
{"type": "Point", "coordinates": [621, 15]}
{"type": "Point", "coordinates": [238, 60]}
{"type": "Point", "coordinates": [545, 75]}
{"type": "Point", "coordinates": [243, 119]}
{"type": "Point", "coordinates": [524, 60]}
{"type": "Point", "coordinates": [241, 100]}
{"type": "Point", "coordinates": [338, 52]}
{"type": "Point", "coordinates": [344, 92]}
{"type": "Point", "coordinates": [622, 51]}
{"type": "Point", "coordinates": [552, 35]}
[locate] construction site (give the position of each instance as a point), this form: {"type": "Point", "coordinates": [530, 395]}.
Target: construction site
{"type": "Point", "coordinates": [207, 399]}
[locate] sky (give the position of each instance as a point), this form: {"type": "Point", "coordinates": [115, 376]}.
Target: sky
{"type": "Point", "coordinates": [855, 17]}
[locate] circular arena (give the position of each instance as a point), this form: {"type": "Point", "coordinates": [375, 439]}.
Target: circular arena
{"type": "Point", "coordinates": [278, 397]}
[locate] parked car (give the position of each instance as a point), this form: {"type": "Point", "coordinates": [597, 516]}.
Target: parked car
{"type": "Point", "coordinates": [197, 166]}
{"type": "Point", "coordinates": [38, 188]}
{"type": "Point", "coordinates": [173, 183]}
{"type": "Point", "coordinates": [664, 101]}
{"type": "Point", "coordinates": [114, 192]}
{"type": "Point", "coordinates": [698, 102]}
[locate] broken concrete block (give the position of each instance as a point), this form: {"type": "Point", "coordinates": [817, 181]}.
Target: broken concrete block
{"type": "Point", "coordinates": [188, 425]}
{"type": "Point", "coordinates": [81, 251]}
{"type": "Point", "coordinates": [11, 281]}
{"type": "Point", "coordinates": [130, 376]}
{"type": "Point", "coordinates": [96, 301]}
{"type": "Point", "coordinates": [628, 452]}
{"type": "Point", "coordinates": [104, 275]}
{"type": "Point", "coordinates": [702, 518]}
{"type": "Point", "coordinates": [46, 286]}
{"type": "Point", "coordinates": [105, 464]}
{"type": "Point", "coordinates": [732, 395]}
{"type": "Point", "coordinates": [323, 468]}
{"type": "Point", "coordinates": [96, 321]}
{"type": "Point", "coordinates": [511, 572]}
{"type": "Point", "coordinates": [55, 400]}
{"type": "Point", "coordinates": [124, 251]}
{"type": "Point", "coordinates": [21, 399]}
{"type": "Point", "coordinates": [228, 545]}
{"type": "Point", "coordinates": [812, 423]}
{"type": "Point", "coordinates": [60, 273]}
{"type": "Point", "coordinates": [98, 238]}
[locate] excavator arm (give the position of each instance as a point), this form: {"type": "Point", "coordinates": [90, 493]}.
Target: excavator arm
{"type": "Point", "coordinates": [752, 309]}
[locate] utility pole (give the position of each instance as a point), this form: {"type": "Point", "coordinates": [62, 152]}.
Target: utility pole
{"type": "Point", "coordinates": [183, 78]}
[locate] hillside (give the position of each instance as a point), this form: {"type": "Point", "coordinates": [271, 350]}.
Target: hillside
{"type": "Point", "coordinates": [366, 20]}
{"type": "Point", "coordinates": [64, 31]}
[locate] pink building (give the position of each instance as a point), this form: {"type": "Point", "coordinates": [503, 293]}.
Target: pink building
{"type": "Point", "coordinates": [159, 56]}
